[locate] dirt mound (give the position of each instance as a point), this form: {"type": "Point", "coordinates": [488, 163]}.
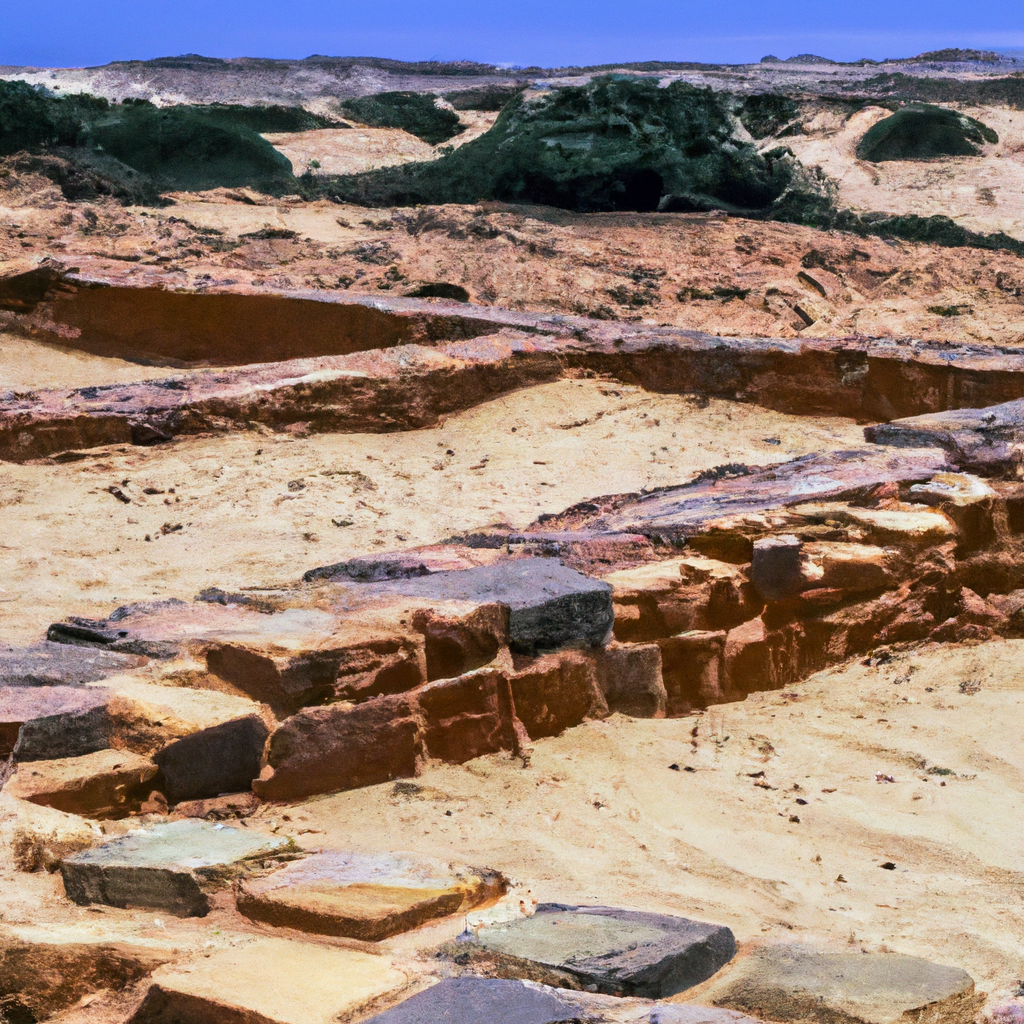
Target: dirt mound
{"type": "Point", "coordinates": [922, 132]}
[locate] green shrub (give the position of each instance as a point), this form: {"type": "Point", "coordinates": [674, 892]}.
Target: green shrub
{"type": "Point", "coordinates": [921, 132]}
{"type": "Point", "coordinates": [413, 112]}
{"type": "Point", "coordinates": [484, 97]}
{"type": "Point", "coordinates": [191, 148]}
{"type": "Point", "coordinates": [617, 143]}
{"type": "Point", "coordinates": [767, 114]}
{"type": "Point", "coordinates": [1008, 91]}
{"type": "Point", "coordinates": [272, 118]}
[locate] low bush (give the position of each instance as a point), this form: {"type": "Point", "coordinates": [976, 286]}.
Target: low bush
{"type": "Point", "coordinates": [766, 114]}
{"type": "Point", "coordinates": [413, 112]}
{"type": "Point", "coordinates": [923, 132]}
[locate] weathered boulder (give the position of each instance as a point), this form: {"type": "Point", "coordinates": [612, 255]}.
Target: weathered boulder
{"type": "Point", "coordinates": [269, 981]}
{"type": "Point", "coordinates": [793, 982]}
{"type": "Point", "coordinates": [621, 952]}
{"type": "Point", "coordinates": [365, 896]}
{"type": "Point", "coordinates": [852, 568]}
{"type": "Point", "coordinates": [105, 784]}
{"type": "Point", "coordinates": [906, 526]}
{"type": "Point", "coordinates": [456, 643]}
{"type": "Point", "coordinates": [551, 606]}
{"type": "Point", "coordinates": [52, 664]}
{"type": "Point", "coordinates": [554, 692]}
{"type": "Point", "coordinates": [171, 867]}
{"type": "Point", "coordinates": [630, 677]}
{"type": "Point", "coordinates": [747, 659]}
{"type": "Point", "coordinates": [342, 746]}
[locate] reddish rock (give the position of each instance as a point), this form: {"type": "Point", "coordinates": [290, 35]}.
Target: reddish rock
{"type": "Point", "coordinates": [341, 746]}
{"type": "Point", "coordinates": [748, 659]}
{"type": "Point", "coordinates": [466, 716]}
{"type": "Point", "coordinates": [460, 643]}
{"type": "Point", "coordinates": [630, 678]}
{"type": "Point", "coordinates": [555, 692]}
{"type": "Point", "coordinates": [691, 667]}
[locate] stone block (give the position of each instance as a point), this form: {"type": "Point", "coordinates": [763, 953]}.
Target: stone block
{"type": "Point", "coordinates": [911, 526]}
{"type": "Point", "coordinates": [776, 568]}
{"type": "Point", "coordinates": [957, 489]}
{"type": "Point", "coordinates": [105, 784]}
{"type": "Point", "coordinates": [621, 952]}
{"type": "Point", "coordinates": [171, 867]}
{"type": "Point", "coordinates": [482, 1001]}
{"type": "Point", "coordinates": [691, 668]}
{"type": "Point", "coordinates": [794, 982]}
{"type": "Point", "coordinates": [629, 676]}
{"type": "Point", "coordinates": [269, 981]}
{"type": "Point", "coordinates": [342, 746]}
{"type": "Point", "coordinates": [38, 838]}
{"type": "Point", "coordinates": [748, 659]}
{"type": "Point", "coordinates": [554, 692]}
{"type": "Point", "coordinates": [850, 567]}
{"type": "Point", "coordinates": [48, 722]}
{"type": "Point", "coordinates": [550, 605]}
{"type": "Point", "coordinates": [365, 896]}
{"type": "Point", "coordinates": [455, 644]}
{"type": "Point", "coordinates": [466, 716]}
{"type": "Point", "coordinates": [50, 664]}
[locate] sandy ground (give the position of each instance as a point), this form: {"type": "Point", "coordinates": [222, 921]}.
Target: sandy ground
{"type": "Point", "coordinates": [357, 149]}
{"type": "Point", "coordinates": [983, 193]}
{"type": "Point", "coordinates": [70, 547]}
{"type": "Point", "coordinates": [600, 816]}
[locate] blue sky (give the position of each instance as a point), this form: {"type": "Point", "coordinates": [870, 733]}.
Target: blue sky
{"type": "Point", "coordinates": [73, 33]}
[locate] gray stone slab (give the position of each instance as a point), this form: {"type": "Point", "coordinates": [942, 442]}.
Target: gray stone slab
{"type": "Point", "coordinates": [794, 982]}
{"type": "Point", "coordinates": [551, 606]}
{"type": "Point", "coordinates": [775, 568]}
{"type": "Point", "coordinates": [480, 1001]}
{"type": "Point", "coordinates": [49, 722]}
{"type": "Point", "coordinates": [52, 664]}
{"type": "Point", "coordinates": [171, 867]}
{"type": "Point", "coordinates": [621, 952]}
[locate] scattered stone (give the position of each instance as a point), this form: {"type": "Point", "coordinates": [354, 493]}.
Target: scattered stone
{"type": "Point", "coordinates": [269, 981]}
{"type": "Point", "coordinates": [219, 808]}
{"type": "Point", "coordinates": [551, 606]}
{"type": "Point", "coordinates": [323, 750]}
{"type": "Point", "coordinates": [365, 896]}
{"type": "Point", "coordinates": [106, 784]}
{"type": "Point", "coordinates": [621, 952]}
{"type": "Point", "coordinates": [793, 982]}
{"type": "Point", "coordinates": [171, 867]}
{"type": "Point", "coordinates": [39, 838]}
{"type": "Point", "coordinates": [51, 664]}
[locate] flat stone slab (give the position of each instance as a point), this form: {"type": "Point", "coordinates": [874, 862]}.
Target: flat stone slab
{"type": "Point", "coordinates": [106, 784]}
{"type": "Point", "coordinates": [365, 896]}
{"type": "Point", "coordinates": [621, 952]}
{"type": "Point", "coordinates": [470, 1000]}
{"type": "Point", "coordinates": [43, 723]}
{"type": "Point", "coordinates": [269, 981]}
{"type": "Point", "coordinates": [551, 605]}
{"type": "Point", "coordinates": [53, 664]}
{"type": "Point", "coordinates": [794, 982]}
{"type": "Point", "coordinates": [169, 867]}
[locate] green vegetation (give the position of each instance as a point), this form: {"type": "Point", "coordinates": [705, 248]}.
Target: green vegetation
{"type": "Point", "coordinates": [950, 310]}
{"type": "Point", "coordinates": [921, 132]}
{"type": "Point", "coordinates": [133, 149]}
{"type": "Point", "coordinates": [618, 143]}
{"type": "Point", "coordinates": [413, 112]}
{"type": "Point", "coordinates": [1008, 91]}
{"type": "Point", "coordinates": [484, 97]}
{"type": "Point", "coordinates": [766, 114]}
